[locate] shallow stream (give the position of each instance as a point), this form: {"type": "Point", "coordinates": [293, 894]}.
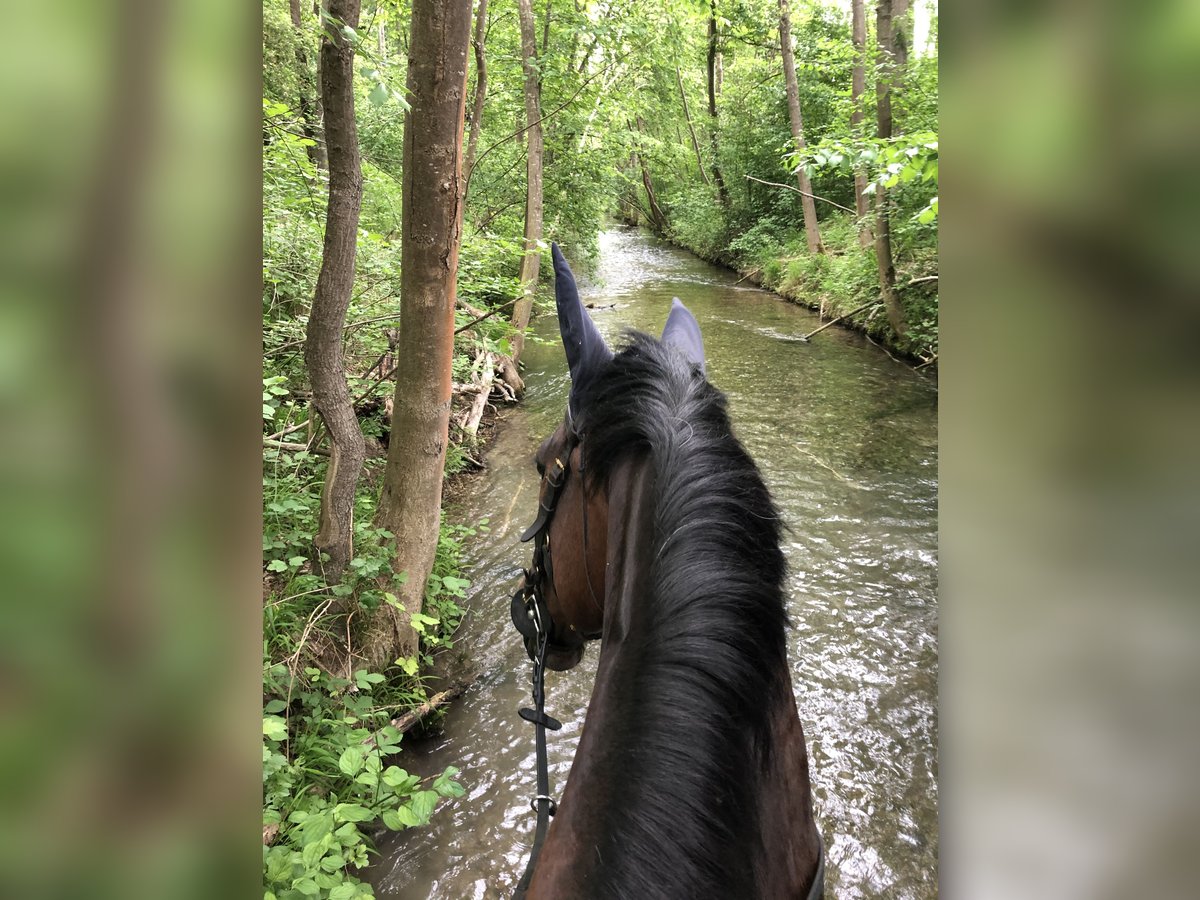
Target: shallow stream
{"type": "Point", "coordinates": [847, 441]}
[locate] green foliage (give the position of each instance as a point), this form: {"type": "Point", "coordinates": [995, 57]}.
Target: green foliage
{"type": "Point", "coordinates": [325, 744]}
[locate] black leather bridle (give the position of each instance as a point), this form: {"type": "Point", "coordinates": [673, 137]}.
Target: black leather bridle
{"type": "Point", "coordinates": [531, 616]}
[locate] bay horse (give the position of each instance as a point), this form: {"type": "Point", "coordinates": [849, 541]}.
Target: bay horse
{"type": "Point", "coordinates": [656, 534]}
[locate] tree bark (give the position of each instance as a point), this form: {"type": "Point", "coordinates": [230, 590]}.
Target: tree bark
{"type": "Point", "coordinates": [858, 89]}
{"type": "Point", "coordinates": [691, 128]}
{"type": "Point", "coordinates": [431, 233]}
{"type": "Point", "coordinates": [323, 339]}
{"type": "Point", "coordinates": [811, 232]}
{"type": "Point", "coordinates": [304, 77]}
{"type": "Point", "coordinates": [320, 8]}
{"type": "Point", "coordinates": [722, 191]}
{"type": "Point", "coordinates": [883, 236]}
{"type": "Point", "coordinates": [658, 220]}
{"type": "Point", "coordinates": [531, 261]}
{"type": "Point", "coordinates": [480, 95]}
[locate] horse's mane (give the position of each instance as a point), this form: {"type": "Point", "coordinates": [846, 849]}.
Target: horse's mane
{"type": "Point", "coordinates": [707, 656]}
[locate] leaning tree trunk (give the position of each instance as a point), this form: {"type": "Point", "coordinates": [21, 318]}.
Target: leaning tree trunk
{"type": "Point", "coordinates": [809, 207]}
{"type": "Point", "coordinates": [304, 79]}
{"type": "Point", "coordinates": [323, 341]}
{"type": "Point", "coordinates": [883, 234]}
{"type": "Point", "coordinates": [431, 232]}
{"type": "Point", "coordinates": [858, 88]}
{"type": "Point", "coordinates": [480, 95]}
{"type": "Point", "coordinates": [722, 191]}
{"type": "Point", "coordinates": [531, 261]}
{"type": "Point", "coordinates": [691, 128]}
{"type": "Point", "coordinates": [657, 219]}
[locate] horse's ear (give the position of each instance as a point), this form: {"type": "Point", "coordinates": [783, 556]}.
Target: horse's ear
{"type": "Point", "coordinates": [586, 350]}
{"type": "Point", "coordinates": [683, 332]}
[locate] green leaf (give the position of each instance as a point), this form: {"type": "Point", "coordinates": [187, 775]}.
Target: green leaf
{"type": "Point", "coordinates": [422, 803]}
{"type": "Point", "coordinates": [352, 812]}
{"type": "Point", "coordinates": [275, 728]}
{"type": "Point", "coordinates": [349, 34]}
{"type": "Point", "coordinates": [306, 886]}
{"type": "Point", "coordinates": [275, 706]}
{"type": "Point", "coordinates": [311, 855]}
{"type": "Point", "coordinates": [344, 891]}
{"type": "Point", "coordinates": [391, 819]}
{"type": "Point", "coordinates": [351, 760]}
{"type": "Point", "coordinates": [379, 94]}
{"type": "Point", "coordinates": [296, 561]}
{"type": "Point", "coordinates": [277, 565]}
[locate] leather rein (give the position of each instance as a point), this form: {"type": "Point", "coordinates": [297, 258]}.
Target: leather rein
{"type": "Point", "coordinates": [531, 617]}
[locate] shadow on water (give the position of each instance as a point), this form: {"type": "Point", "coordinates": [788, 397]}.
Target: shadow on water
{"type": "Point", "coordinates": [847, 441]}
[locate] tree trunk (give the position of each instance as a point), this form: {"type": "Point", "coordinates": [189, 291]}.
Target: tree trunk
{"type": "Point", "coordinates": [323, 340]}
{"type": "Point", "coordinates": [431, 226]}
{"type": "Point", "coordinates": [691, 128]}
{"type": "Point", "coordinates": [858, 89]}
{"type": "Point", "coordinates": [722, 191]}
{"type": "Point", "coordinates": [381, 42]}
{"type": "Point", "coordinates": [657, 219]}
{"type": "Point", "coordinates": [322, 155]}
{"type": "Point", "coordinates": [531, 261]}
{"type": "Point", "coordinates": [883, 235]}
{"type": "Point", "coordinates": [304, 78]}
{"type": "Point", "coordinates": [811, 231]}
{"type": "Point", "coordinates": [480, 95]}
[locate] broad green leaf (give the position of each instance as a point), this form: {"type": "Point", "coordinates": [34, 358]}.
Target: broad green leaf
{"type": "Point", "coordinates": [275, 728]}
{"type": "Point", "coordinates": [351, 760]}
{"type": "Point", "coordinates": [277, 565]}
{"type": "Point", "coordinates": [344, 891]}
{"type": "Point", "coordinates": [352, 812]}
{"type": "Point", "coordinates": [422, 803]}
{"type": "Point", "coordinates": [379, 94]}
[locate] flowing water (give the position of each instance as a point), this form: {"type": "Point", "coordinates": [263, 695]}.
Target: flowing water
{"type": "Point", "coordinates": [847, 441]}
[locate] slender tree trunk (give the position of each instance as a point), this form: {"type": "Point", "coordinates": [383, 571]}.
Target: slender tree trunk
{"type": "Point", "coordinates": [811, 231]}
{"type": "Point", "coordinates": [657, 219]}
{"type": "Point", "coordinates": [431, 225]}
{"type": "Point", "coordinates": [722, 191]}
{"type": "Point", "coordinates": [318, 124]}
{"type": "Point", "coordinates": [381, 44]}
{"type": "Point", "coordinates": [883, 234]}
{"type": "Point", "coordinates": [858, 89]}
{"type": "Point", "coordinates": [691, 128]}
{"type": "Point", "coordinates": [323, 341]}
{"type": "Point", "coordinates": [480, 95]}
{"type": "Point", "coordinates": [531, 261]}
{"type": "Point", "coordinates": [304, 77]}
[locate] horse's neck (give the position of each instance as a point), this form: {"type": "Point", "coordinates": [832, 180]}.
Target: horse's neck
{"type": "Point", "coordinates": [597, 800]}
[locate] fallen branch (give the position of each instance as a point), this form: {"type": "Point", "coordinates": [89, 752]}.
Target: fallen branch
{"type": "Point", "coordinates": [805, 337]}
{"type": "Point", "coordinates": [748, 274]}
{"type": "Point", "coordinates": [284, 445]}
{"type": "Point", "coordinates": [412, 718]}
{"type": "Point", "coordinates": [928, 362]}
{"type": "Point", "coordinates": [922, 280]}
{"type": "Point", "coordinates": [788, 187]}
{"type": "Point", "coordinates": [486, 315]}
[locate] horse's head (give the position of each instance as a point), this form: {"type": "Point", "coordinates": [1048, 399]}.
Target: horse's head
{"type": "Point", "coordinates": [560, 604]}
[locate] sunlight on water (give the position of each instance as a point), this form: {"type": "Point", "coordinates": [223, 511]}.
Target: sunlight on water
{"type": "Point", "coordinates": [847, 441]}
